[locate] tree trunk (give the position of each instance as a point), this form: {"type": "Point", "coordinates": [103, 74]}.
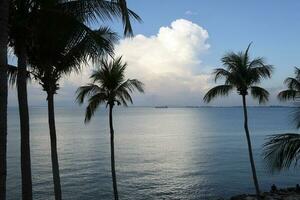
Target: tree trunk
{"type": "Point", "coordinates": [54, 157]}
{"type": "Point", "coordinates": [112, 151]}
{"type": "Point", "coordinates": [250, 149]}
{"type": "Point", "coordinates": [24, 122]}
{"type": "Point", "coordinates": [3, 94]}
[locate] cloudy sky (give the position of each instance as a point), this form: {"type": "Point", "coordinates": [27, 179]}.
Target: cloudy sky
{"type": "Point", "coordinates": [179, 43]}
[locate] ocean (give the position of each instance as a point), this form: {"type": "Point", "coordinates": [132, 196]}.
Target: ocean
{"type": "Point", "coordinates": [173, 153]}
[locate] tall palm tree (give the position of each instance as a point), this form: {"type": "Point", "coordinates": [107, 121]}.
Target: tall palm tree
{"type": "Point", "coordinates": [243, 74]}
{"type": "Point", "coordinates": [18, 34]}
{"type": "Point", "coordinates": [108, 87]}
{"type": "Point", "coordinates": [282, 150]}
{"type": "Point", "coordinates": [4, 8]}
{"type": "Point", "coordinates": [55, 59]}
{"type": "Point", "coordinates": [24, 15]}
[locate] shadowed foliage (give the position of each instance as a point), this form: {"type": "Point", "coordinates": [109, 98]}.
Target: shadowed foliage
{"type": "Point", "coordinates": [242, 74]}
{"type": "Point", "coordinates": [4, 10]}
{"type": "Point", "coordinates": [292, 93]}
{"type": "Point", "coordinates": [282, 150]}
{"type": "Point", "coordinates": [26, 17]}
{"type": "Point", "coordinates": [59, 56]}
{"type": "Point", "coordinates": [109, 87]}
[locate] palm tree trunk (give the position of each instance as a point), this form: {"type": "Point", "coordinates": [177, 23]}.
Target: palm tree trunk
{"type": "Point", "coordinates": [112, 151]}
{"type": "Point", "coordinates": [24, 122]}
{"type": "Point", "coordinates": [3, 94]}
{"type": "Point", "coordinates": [250, 148]}
{"type": "Point", "coordinates": [54, 157]}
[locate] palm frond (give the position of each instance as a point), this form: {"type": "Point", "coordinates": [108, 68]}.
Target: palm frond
{"type": "Point", "coordinates": [221, 90]}
{"type": "Point", "coordinates": [131, 85]}
{"type": "Point", "coordinates": [221, 73]}
{"type": "Point", "coordinates": [288, 95]}
{"type": "Point", "coordinates": [292, 83]}
{"type": "Point", "coordinates": [12, 72]}
{"type": "Point", "coordinates": [260, 69]}
{"type": "Point", "coordinates": [281, 151]}
{"type": "Point", "coordinates": [246, 54]}
{"type": "Point", "coordinates": [123, 96]}
{"type": "Point", "coordinates": [87, 91]}
{"type": "Point", "coordinates": [12, 75]}
{"type": "Point", "coordinates": [259, 93]}
{"type": "Point", "coordinates": [91, 10]}
{"type": "Point", "coordinates": [232, 61]}
{"type": "Point", "coordinates": [126, 14]}
{"type": "Point", "coordinates": [94, 102]}
{"type": "Point", "coordinates": [122, 92]}
{"type": "Point", "coordinates": [90, 47]}
{"type": "Point", "coordinates": [297, 73]}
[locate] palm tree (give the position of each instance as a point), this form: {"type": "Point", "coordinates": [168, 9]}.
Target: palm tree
{"type": "Point", "coordinates": [4, 7]}
{"type": "Point", "coordinates": [108, 87]}
{"type": "Point", "coordinates": [24, 14]}
{"type": "Point", "coordinates": [18, 33]}
{"type": "Point", "coordinates": [55, 59]}
{"type": "Point", "coordinates": [282, 150]}
{"type": "Point", "coordinates": [242, 74]}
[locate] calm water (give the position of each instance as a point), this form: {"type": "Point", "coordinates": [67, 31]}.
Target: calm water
{"type": "Point", "coordinates": [175, 153]}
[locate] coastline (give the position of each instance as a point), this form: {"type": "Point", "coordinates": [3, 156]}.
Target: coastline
{"type": "Point", "coordinates": [292, 193]}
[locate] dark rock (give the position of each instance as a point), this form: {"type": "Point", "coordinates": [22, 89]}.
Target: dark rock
{"type": "Point", "coordinates": [273, 188]}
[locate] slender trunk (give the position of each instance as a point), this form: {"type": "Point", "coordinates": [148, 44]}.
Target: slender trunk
{"type": "Point", "coordinates": [112, 151]}
{"type": "Point", "coordinates": [24, 122]}
{"type": "Point", "coordinates": [54, 157]}
{"type": "Point", "coordinates": [250, 149]}
{"type": "Point", "coordinates": [3, 94]}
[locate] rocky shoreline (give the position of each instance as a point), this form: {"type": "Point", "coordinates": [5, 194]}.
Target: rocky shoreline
{"type": "Point", "coordinates": [274, 194]}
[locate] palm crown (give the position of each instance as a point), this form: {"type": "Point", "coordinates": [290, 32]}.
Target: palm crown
{"type": "Point", "coordinates": [292, 93]}
{"type": "Point", "coordinates": [58, 57]}
{"type": "Point", "coordinates": [108, 87]}
{"type": "Point", "coordinates": [242, 74]}
{"type": "Point", "coordinates": [293, 85]}
{"type": "Point", "coordinates": [282, 150]}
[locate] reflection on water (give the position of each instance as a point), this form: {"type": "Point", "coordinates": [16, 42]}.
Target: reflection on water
{"type": "Point", "coordinates": [175, 153]}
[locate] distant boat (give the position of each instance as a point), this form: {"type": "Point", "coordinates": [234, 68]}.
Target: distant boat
{"type": "Point", "coordinates": [161, 106]}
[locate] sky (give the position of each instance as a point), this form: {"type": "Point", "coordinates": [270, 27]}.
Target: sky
{"type": "Point", "coordinates": [179, 43]}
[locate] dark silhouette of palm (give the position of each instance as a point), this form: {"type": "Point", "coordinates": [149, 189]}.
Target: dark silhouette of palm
{"type": "Point", "coordinates": [110, 88]}
{"type": "Point", "coordinates": [4, 8]}
{"type": "Point", "coordinates": [282, 150]}
{"type": "Point", "coordinates": [25, 16]}
{"type": "Point", "coordinates": [58, 57]}
{"type": "Point", "coordinates": [242, 74]}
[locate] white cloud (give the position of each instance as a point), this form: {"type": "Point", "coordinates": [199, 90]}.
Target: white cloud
{"type": "Point", "coordinates": [168, 63]}
{"type": "Point", "coordinates": [189, 12]}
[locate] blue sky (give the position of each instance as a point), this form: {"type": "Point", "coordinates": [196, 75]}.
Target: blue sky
{"type": "Point", "coordinates": [272, 25]}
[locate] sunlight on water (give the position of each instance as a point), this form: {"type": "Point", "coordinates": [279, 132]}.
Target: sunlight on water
{"type": "Point", "coordinates": [175, 153]}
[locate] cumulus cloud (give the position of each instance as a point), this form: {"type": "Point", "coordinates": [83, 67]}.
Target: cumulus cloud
{"type": "Point", "coordinates": [169, 63]}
